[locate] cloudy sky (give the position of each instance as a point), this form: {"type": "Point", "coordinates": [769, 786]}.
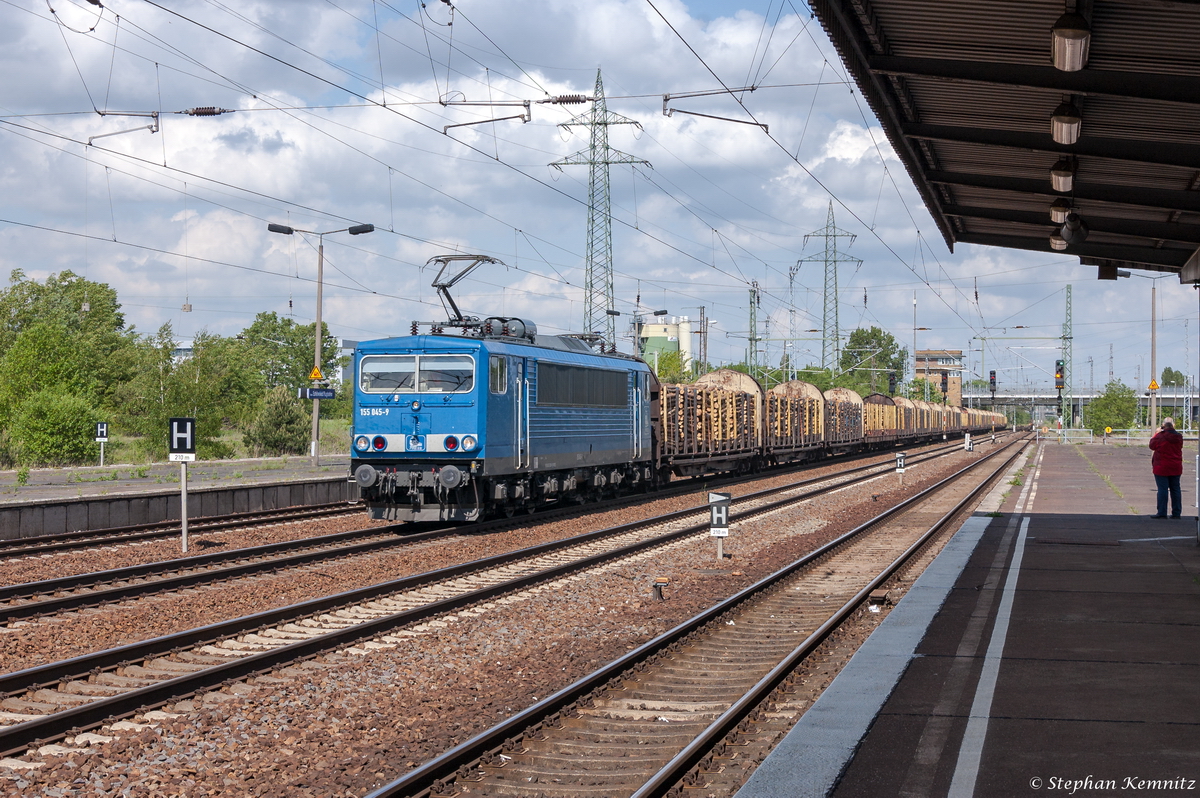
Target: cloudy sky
{"type": "Point", "coordinates": [339, 114]}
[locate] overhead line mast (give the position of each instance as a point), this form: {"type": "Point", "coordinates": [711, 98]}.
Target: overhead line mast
{"type": "Point", "coordinates": [830, 335]}
{"type": "Point", "coordinates": [598, 280]}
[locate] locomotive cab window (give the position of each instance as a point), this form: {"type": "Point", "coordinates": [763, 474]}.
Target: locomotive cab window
{"type": "Point", "coordinates": [387, 373]}
{"type": "Point", "coordinates": [498, 373]}
{"type": "Point", "coordinates": [446, 373]}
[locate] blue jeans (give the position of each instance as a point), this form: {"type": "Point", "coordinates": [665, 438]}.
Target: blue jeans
{"type": "Point", "coordinates": [1169, 484]}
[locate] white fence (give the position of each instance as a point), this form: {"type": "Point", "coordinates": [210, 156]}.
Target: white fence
{"type": "Point", "coordinates": [1139, 436]}
{"type": "Point", "coordinates": [1066, 435]}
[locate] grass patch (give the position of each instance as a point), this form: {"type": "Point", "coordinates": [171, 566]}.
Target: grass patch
{"type": "Point", "coordinates": [1107, 480]}
{"type": "Point", "coordinates": [994, 514]}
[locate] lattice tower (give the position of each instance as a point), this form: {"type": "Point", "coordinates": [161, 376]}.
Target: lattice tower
{"type": "Point", "coordinates": [598, 278]}
{"type": "Point", "coordinates": [831, 257]}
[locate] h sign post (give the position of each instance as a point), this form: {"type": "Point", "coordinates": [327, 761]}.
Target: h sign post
{"type": "Point", "coordinates": [181, 442]}
{"type": "Point", "coordinates": [900, 466]}
{"type": "Point", "coordinates": [102, 438]}
{"type": "Point", "coordinates": [718, 524]}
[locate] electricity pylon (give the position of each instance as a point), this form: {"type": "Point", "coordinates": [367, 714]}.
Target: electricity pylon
{"type": "Point", "coordinates": [598, 279]}
{"type": "Point", "coordinates": [830, 341]}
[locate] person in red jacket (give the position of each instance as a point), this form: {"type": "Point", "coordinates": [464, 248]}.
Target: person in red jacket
{"type": "Point", "coordinates": [1167, 464]}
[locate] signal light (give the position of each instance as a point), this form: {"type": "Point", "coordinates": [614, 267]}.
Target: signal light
{"type": "Point", "coordinates": [992, 381]}
{"type": "Point", "coordinates": [945, 383]}
{"type": "Point", "coordinates": [1060, 371]}
{"type": "Point", "coordinates": [892, 383]}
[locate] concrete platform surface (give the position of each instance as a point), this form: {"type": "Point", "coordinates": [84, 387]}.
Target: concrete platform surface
{"type": "Point", "coordinates": [1062, 655]}
{"type": "Point", "coordinates": [57, 484]}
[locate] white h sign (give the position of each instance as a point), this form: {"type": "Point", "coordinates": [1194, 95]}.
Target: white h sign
{"type": "Point", "coordinates": [718, 508]}
{"type": "Point", "coordinates": [182, 442]}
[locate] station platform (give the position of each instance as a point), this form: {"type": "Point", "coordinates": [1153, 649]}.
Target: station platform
{"type": "Point", "coordinates": [84, 498]}
{"type": "Point", "coordinates": [1053, 649]}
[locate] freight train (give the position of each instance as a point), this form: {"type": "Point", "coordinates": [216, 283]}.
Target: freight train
{"type": "Point", "coordinates": [499, 419]}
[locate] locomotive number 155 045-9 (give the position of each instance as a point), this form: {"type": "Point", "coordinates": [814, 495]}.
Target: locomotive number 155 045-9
{"type": "Point", "coordinates": [373, 411]}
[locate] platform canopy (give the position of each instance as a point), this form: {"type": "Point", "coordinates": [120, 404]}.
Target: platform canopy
{"type": "Point", "coordinates": [1068, 127]}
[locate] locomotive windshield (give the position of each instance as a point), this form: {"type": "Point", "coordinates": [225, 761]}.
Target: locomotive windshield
{"type": "Point", "coordinates": [388, 373]}
{"type": "Point", "coordinates": [416, 374]}
{"type": "Point", "coordinates": [447, 373]}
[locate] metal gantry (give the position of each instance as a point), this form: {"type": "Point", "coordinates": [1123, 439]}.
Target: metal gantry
{"type": "Point", "coordinates": [752, 353]}
{"type": "Point", "coordinates": [830, 341]}
{"type": "Point", "coordinates": [598, 280]}
{"type": "Point", "coordinates": [1068, 349]}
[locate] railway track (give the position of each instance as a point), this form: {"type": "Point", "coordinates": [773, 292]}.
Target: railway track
{"type": "Point", "coordinates": [72, 541]}
{"type": "Point", "coordinates": [51, 701]}
{"type": "Point", "coordinates": [676, 714]}
{"type": "Point", "coordinates": [34, 600]}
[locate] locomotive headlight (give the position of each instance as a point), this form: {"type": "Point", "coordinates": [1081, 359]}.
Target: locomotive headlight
{"type": "Point", "coordinates": [379, 442]}
{"type": "Point", "coordinates": [362, 443]}
{"type": "Point", "coordinates": [416, 405]}
{"type": "Point", "coordinates": [451, 443]}
{"type": "Point", "coordinates": [468, 442]}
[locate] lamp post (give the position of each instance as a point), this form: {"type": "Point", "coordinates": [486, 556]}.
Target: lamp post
{"type": "Point", "coordinates": [356, 230]}
{"type": "Point", "coordinates": [1153, 408]}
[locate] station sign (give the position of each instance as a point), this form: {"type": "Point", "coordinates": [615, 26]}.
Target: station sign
{"type": "Point", "coordinates": [718, 509]}
{"type": "Point", "coordinates": [317, 393]}
{"type": "Point", "coordinates": [181, 439]}
{"type": "Point", "coordinates": [101, 432]}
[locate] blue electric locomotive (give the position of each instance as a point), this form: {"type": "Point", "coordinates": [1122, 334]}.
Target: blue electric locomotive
{"type": "Point", "coordinates": [498, 419]}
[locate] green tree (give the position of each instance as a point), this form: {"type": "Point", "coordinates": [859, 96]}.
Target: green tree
{"type": "Point", "coordinates": [1116, 408]}
{"type": "Point", "coordinates": [1171, 377]}
{"type": "Point", "coordinates": [669, 367]}
{"type": "Point", "coordinates": [66, 332]}
{"type": "Point", "coordinates": [54, 427]}
{"type": "Point", "coordinates": [41, 356]}
{"type": "Point", "coordinates": [217, 385]}
{"type": "Point", "coordinates": [58, 302]}
{"type": "Point", "coordinates": [281, 425]}
{"type": "Point", "coordinates": [915, 390]}
{"type": "Point", "coordinates": [283, 350]}
{"type": "Point", "coordinates": [869, 354]}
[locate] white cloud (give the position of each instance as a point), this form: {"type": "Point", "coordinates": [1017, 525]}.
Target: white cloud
{"type": "Point", "coordinates": [723, 203]}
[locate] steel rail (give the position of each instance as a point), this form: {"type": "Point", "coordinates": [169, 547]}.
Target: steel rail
{"type": "Point", "coordinates": [692, 754]}
{"type": "Point", "coordinates": [460, 759]}
{"type": "Point", "coordinates": [34, 609]}
{"type": "Point", "coordinates": [66, 541]}
{"type": "Point", "coordinates": [15, 738]}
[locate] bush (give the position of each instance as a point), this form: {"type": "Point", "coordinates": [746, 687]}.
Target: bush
{"type": "Point", "coordinates": [53, 427]}
{"type": "Point", "coordinates": [281, 425]}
